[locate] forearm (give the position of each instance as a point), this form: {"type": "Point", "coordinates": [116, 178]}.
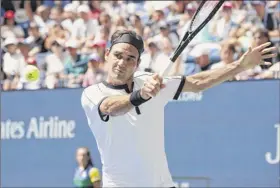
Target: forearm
{"type": "Point", "coordinates": [207, 79]}
{"type": "Point", "coordinates": [116, 105]}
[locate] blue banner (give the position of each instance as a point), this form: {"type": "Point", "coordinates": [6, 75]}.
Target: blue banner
{"type": "Point", "coordinates": [227, 136]}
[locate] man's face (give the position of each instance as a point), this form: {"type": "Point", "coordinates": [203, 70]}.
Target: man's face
{"type": "Point", "coordinates": [12, 48]}
{"type": "Point", "coordinates": [105, 21]}
{"type": "Point", "coordinates": [34, 31]}
{"type": "Point", "coordinates": [226, 53]}
{"type": "Point", "coordinates": [55, 14]}
{"type": "Point", "coordinates": [202, 60]}
{"type": "Point", "coordinates": [84, 15]}
{"type": "Point", "coordinates": [122, 61]}
{"type": "Point", "coordinates": [260, 39]}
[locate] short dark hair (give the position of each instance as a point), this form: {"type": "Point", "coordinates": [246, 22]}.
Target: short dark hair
{"type": "Point", "coordinates": [262, 32]}
{"type": "Point", "coordinates": [229, 46]}
{"type": "Point", "coordinates": [119, 33]}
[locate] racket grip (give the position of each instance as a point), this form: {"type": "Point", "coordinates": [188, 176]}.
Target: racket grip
{"type": "Point", "coordinates": [166, 70]}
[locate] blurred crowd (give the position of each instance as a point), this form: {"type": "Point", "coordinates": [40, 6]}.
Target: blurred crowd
{"type": "Point", "coordinates": [67, 39]}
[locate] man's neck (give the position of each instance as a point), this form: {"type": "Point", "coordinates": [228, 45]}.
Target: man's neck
{"type": "Point", "coordinates": [115, 82]}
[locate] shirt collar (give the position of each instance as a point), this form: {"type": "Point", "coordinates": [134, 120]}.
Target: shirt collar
{"type": "Point", "coordinates": [119, 87]}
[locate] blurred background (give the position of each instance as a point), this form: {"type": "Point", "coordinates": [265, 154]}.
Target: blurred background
{"type": "Point", "coordinates": [67, 39]}
{"type": "Point", "coordinates": [42, 123]}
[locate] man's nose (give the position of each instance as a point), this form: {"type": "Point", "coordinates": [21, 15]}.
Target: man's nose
{"type": "Point", "coordinates": [121, 62]}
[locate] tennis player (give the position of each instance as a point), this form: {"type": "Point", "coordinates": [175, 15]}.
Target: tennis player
{"type": "Point", "coordinates": [126, 111]}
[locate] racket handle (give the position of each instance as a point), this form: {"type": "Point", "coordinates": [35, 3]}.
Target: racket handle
{"type": "Point", "coordinates": [166, 70]}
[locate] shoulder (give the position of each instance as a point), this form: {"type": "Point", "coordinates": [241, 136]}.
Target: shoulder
{"type": "Point", "coordinates": [90, 95]}
{"type": "Point", "coordinates": [6, 55]}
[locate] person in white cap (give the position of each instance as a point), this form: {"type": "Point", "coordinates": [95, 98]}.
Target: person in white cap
{"type": "Point", "coordinates": [13, 63]}
{"type": "Point", "coordinates": [74, 64]}
{"type": "Point", "coordinates": [84, 28]}
{"type": "Point", "coordinates": [69, 14]}
{"type": "Point", "coordinates": [126, 111]}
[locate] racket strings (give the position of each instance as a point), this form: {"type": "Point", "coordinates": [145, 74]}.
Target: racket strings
{"type": "Point", "coordinates": [204, 12]}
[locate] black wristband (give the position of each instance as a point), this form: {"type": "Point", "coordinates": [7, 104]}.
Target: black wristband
{"type": "Point", "coordinates": [136, 99]}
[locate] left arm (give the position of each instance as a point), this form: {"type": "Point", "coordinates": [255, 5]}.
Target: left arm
{"type": "Point", "coordinates": [207, 79]}
{"type": "Point", "coordinates": [204, 80]}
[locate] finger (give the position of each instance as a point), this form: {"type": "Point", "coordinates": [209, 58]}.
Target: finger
{"type": "Point", "coordinates": [268, 56]}
{"type": "Point", "coordinates": [153, 88]}
{"type": "Point", "coordinates": [149, 91]}
{"type": "Point", "coordinates": [153, 82]}
{"type": "Point", "coordinates": [262, 46]}
{"type": "Point", "coordinates": [269, 50]}
{"type": "Point", "coordinates": [157, 78]}
{"type": "Point", "coordinates": [162, 86]}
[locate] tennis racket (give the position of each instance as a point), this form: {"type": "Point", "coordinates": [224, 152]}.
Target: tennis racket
{"type": "Point", "coordinates": [204, 13]}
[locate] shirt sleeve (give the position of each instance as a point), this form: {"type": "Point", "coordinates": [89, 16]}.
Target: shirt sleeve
{"type": "Point", "coordinates": [94, 175]}
{"type": "Point", "coordinates": [91, 100]}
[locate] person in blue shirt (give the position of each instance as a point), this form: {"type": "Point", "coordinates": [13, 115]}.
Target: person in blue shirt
{"type": "Point", "coordinates": [86, 174]}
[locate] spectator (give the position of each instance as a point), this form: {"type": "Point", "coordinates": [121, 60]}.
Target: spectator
{"type": "Point", "coordinates": [103, 35]}
{"type": "Point", "coordinates": [24, 49]}
{"type": "Point", "coordinates": [69, 16]}
{"type": "Point", "coordinates": [36, 40]}
{"type": "Point", "coordinates": [94, 73]}
{"type": "Point", "coordinates": [227, 55]}
{"type": "Point", "coordinates": [201, 60]}
{"type": "Point", "coordinates": [165, 33]}
{"type": "Point", "coordinates": [261, 36]}
{"type": "Point", "coordinates": [119, 23]}
{"type": "Point", "coordinates": [136, 24]}
{"type": "Point", "coordinates": [267, 19]}
{"type": "Point", "coordinates": [153, 60]}
{"type": "Point", "coordinates": [105, 20]}
{"type": "Point", "coordinates": [157, 16]}
{"type": "Point", "coordinates": [272, 72]}
{"type": "Point", "coordinates": [99, 47]}
{"type": "Point", "coordinates": [13, 64]}
{"type": "Point", "coordinates": [86, 174]}
{"type": "Point", "coordinates": [55, 16]}
{"type": "Point", "coordinates": [10, 28]}
{"type": "Point", "coordinates": [95, 10]}
{"type": "Point", "coordinates": [41, 18]}
{"type": "Point", "coordinates": [75, 65]}
{"type": "Point", "coordinates": [84, 28]}
{"type": "Point", "coordinates": [224, 27]}
{"type": "Point", "coordinates": [55, 66]}
{"type": "Point", "coordinates": [56, 33]}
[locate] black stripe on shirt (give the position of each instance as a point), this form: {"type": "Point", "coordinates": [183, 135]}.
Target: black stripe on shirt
{"type": "Point", "coordinates": [180, 88]}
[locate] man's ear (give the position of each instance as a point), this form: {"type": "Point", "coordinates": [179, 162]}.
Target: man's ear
{"type": "Point", "coordinates": [107, 52]}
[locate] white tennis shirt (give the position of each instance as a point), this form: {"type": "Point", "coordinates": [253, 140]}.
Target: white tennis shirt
{"type": "Point", "coordinates": [131, 146]}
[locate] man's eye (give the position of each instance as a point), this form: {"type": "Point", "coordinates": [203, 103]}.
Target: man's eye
{"type": "Point", "coordinates": [118, 56]}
